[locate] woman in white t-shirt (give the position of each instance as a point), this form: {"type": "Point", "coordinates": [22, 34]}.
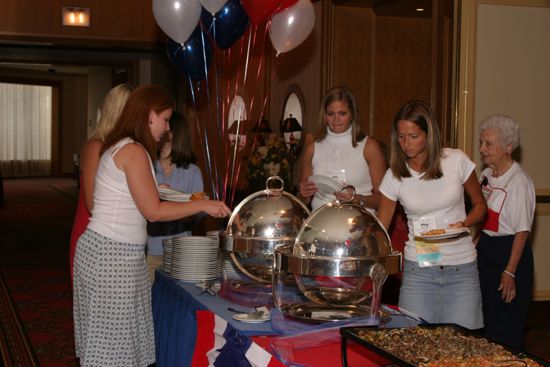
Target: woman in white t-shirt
{"type": "Point", "coordinates": [505, 258]}
{"type": "Point", "coordinates": [341, 151]}
{"type": "Point", "coordinates": [112, 296]}
{"type": "Point", "coordinates": [440, 279]}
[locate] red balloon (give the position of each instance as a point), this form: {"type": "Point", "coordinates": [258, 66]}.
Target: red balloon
{"type": "Point", "coordinates": [260, 10]}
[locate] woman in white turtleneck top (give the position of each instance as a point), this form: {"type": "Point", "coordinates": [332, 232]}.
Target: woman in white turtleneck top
{"type": "Point", "coordinates": [341, 151]}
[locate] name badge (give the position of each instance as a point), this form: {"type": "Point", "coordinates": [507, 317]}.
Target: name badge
{"type": "Point", "coordinates": [338, 176]}
{"type": "Point", "coordinates": [427, 253]}
{"type": "Point", "coordinates": [423, 224]}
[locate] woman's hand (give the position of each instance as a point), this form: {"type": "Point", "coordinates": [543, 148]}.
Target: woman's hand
{"type": "Point", "coordinates": [345, 195]}
{"type": "Point", "coordinates": [216, 209]}
{"type": "Point", "coordinates": [507, 287]}
{"type": "Point", "coordinates": [457, 225]}
{"type": "Point", "coordinates": [164, 185]}
{"type": "Point", "coordinates": [307, 189]}
{"type": "Point", "coordinates": [507, 278]}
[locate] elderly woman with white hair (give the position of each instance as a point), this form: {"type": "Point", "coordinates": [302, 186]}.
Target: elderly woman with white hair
{"type": "Point", "coordinates": [505, 259]}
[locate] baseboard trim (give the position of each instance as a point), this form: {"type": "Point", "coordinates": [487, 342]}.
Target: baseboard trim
{"type": "Point", "coordinates": [541, 295]}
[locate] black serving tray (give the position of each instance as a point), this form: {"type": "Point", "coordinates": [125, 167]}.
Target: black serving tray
{"type": "Point", "coordinates": [352, 333]}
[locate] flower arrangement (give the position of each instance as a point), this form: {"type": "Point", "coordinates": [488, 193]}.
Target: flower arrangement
{"type": "Point", "coordinates": [268, 158]}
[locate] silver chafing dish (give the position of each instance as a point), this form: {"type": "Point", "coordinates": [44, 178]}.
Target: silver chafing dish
{"type": "Point", "coordinates": [336, 267]}
{"type": "Point", "coordinates": [260, 223]}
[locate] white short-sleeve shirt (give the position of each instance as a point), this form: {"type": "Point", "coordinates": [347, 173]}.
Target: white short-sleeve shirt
{"type": "Point", "coordinates": [442, 198]}
{"type": "Point", "coordinates": [511, 201]}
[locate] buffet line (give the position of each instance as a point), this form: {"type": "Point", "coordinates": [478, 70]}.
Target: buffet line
{"type": "Point", "coordinates": [322, 268]}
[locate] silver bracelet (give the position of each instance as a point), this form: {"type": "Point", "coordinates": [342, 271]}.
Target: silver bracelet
{"type": "Point", "coordinates": [510, 274]}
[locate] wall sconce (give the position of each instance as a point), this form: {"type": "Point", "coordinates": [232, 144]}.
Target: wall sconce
{"type": "Point", "coordinates": [75, 17]}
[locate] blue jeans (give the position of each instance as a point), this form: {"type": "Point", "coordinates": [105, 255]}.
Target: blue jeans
{"type": "Point", "coordinates": [443, 294]}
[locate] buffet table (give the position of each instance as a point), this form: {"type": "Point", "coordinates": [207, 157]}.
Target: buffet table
{"type": "Point", "coordinates": [176, 305]}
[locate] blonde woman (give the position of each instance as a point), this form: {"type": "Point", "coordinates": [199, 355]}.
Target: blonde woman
{"type": "Point", "coordinates": [343, 152]}
{"type": "Point", "coordinates": [112, 106]}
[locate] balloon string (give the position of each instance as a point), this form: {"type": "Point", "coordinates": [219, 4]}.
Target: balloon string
{"type": "Point", "coordinates": [225, 108]}
{"type": "Point", "coordinates": [211, 161]}
{"type": "Point", "coordinates": [235, 178]}
{"type": "Point", "coordinates": [204, 145]}
{"type": "Point", "coordinates": [258, 73]}
{"type": "Point", "coordinates": [219, 116]}
{"type": "Point", "coordinates": [266, 97]}
{"type": "Point", "coordinates": [262, 59]}
{"type": "Point", "coordinates": [235, 151]}
{"type": "Point", "coordinates": [217, 178]}
{"type": "Point", "coordinates": [220, 124]}
{"type": "Point", "coordinates": [247, 55]}
{"type": "Point", "coordinates": [251, 38]}
{"type": "Point", "coordinates": [261, 63]}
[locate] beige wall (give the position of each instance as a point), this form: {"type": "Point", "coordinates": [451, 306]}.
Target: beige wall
{"type": "Point", "coordinates": [510, 74]}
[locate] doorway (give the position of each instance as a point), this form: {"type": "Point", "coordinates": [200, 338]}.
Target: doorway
{"type": "Point", "coordinates": [27, 120]}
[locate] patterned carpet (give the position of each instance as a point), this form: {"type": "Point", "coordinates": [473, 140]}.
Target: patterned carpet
{"type": "Point", "coordinates": [36, 326]}
{"type": "Point", "coordinates": [15, 347]}
{"type": "Point", "coordinates": [36, 298]}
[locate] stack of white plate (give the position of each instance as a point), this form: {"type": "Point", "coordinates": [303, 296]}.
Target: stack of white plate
{"type": "Point", "coordinates": [215, 235]}
{"type": "Point", "coordinates": [228, 269]}
{"type": "Point", "coordinates": [167, 255]}
{"type": "Point", "coordinates": [194, 258]}
{"type": "Point", "coordinates": [173, 195]}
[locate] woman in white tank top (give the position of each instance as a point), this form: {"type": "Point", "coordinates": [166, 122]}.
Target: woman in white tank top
{"type": "Point", "coordinates": [112, 295]}
{"type": "Point", "coordinates": [341, 151]}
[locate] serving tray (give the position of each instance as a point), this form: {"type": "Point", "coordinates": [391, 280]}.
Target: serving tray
{"type": "Point", "coordinates": [354, 333]}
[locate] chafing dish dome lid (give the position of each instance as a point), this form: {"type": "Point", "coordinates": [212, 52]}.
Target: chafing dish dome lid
{"type": "Point", "coordinates": [268, 214]}
{"type": "Point", "coordinates": [342, 230]}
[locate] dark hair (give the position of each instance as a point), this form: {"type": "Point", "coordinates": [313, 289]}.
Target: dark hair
{"type": "Point", "coordinates": [134, 119]}
{"type": "Point", "coordinates": [421, 114]}
{"type": "Point", "coordinates": [182, 145]}
{"type": "Point", "coordinates": [344, 95]}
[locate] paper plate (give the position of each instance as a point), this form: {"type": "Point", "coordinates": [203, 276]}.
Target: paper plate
{"type": "Point", "coordinates": [449, 233]}
{"type": "Point", "coordinates": [168, 191]}
{"type": "Point", "coordinates": [173, 195]}
{"type": "Point", "coordinates": [244, 317]}
{"type": "Point", "coordinates": [326, 186]}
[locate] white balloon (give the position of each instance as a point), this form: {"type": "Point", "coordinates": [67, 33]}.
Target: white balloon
{"type": "Point", "coordinates": [177, 18]}
{"type": "Point", "coordinates": [213, 5]}
{"type": "Point", "coordinates": [291, 27]}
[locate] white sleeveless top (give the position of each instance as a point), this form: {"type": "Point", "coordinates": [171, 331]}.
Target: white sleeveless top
{"type": "Point", "coordinates": [336, 153]}
{"type": "Point", "coordinates": [115, 214]}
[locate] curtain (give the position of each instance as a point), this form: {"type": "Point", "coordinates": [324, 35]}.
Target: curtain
{"type": "Point", "coordinates": [25, 130]}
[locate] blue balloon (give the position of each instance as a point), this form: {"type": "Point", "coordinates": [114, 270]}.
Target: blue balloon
{"type": "Point", "coordinates": [227, 25]}
{"type": "Point", "coordinates": [193, 58]}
